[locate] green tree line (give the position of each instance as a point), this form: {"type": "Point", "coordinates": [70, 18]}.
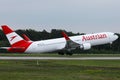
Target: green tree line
{"type": "Point", "coordinates": [56, 33]}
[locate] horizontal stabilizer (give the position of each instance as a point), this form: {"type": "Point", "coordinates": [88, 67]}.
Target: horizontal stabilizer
{"type": "Point", "coordinates": [26, 37]}
{"type": "Point", "coordinates": [4, 48]}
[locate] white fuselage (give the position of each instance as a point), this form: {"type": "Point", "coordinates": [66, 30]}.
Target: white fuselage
{"type": "Point", "coordinates": [59, 43]}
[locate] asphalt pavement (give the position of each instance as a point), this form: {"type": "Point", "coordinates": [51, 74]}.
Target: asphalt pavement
{"type": "Point", "coordinates": [59, 58]}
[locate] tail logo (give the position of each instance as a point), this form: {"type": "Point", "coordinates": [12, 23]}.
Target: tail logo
{"type": "Point", "coordinates": [13, 37]}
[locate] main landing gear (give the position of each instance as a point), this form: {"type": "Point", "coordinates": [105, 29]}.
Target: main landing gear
{"type": "Point", "coordinates": [67, 53]}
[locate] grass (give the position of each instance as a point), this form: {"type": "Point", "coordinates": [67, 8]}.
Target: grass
{"type": "Point", "coordinates": [60, 70]}
{"type": "Point", "coordinates": [56, 55]}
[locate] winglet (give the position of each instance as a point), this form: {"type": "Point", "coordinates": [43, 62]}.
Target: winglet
{"type": "Point", "coordinates": [26, 38]}
{"type": "Point", "coordinates": [70, 45]}
{"type": "Point", "coordinates": [6, 29]}
{"type": "Point", "coordinates": [65, 36]}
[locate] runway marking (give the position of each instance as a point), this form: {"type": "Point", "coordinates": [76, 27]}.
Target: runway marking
{"type": "Point", "coordinates": [59, 58]}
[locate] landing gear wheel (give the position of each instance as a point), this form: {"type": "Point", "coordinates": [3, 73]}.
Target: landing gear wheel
{"type": "Point", "coordinates": [69, 53]}
{"type": "Point", "coordinates": [60, 53]}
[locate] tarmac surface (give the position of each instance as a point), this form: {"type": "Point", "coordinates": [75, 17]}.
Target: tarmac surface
{"type": "Point", "coordinates": [59, 58]}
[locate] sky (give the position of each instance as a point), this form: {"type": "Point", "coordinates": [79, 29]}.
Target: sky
{"type": "Point", "coordinates": [83, 16]}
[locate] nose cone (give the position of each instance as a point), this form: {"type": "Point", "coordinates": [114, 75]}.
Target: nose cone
{"type": "Point", "coordinates": [115, 36]}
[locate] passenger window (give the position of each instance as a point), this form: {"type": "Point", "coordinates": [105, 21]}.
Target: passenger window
{"type": "Point", "coordinates": [40, 44]}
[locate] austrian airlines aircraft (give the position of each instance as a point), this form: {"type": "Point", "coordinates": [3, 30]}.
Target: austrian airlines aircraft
{"type": "Point", "coordinates": [60, 45]}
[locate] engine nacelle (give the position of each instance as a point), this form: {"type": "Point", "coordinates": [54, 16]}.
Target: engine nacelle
{"type": "Point", "coordinates": [85, 46]}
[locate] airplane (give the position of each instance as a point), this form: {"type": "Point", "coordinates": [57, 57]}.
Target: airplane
{"type": "Point", "coordinates": [61, 45]}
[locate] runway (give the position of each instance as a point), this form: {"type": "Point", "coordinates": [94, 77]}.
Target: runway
{"type": "Point", "coordinates": [59, 58]}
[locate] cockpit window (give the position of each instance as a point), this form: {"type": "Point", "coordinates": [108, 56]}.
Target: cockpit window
{"type": "Point", "coordinates": [115, 34]}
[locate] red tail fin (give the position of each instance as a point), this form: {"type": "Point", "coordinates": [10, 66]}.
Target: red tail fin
{"type": "Point", "coordinates": [6, 29]}
{"type": "Point", "coordinates": [18, 44]}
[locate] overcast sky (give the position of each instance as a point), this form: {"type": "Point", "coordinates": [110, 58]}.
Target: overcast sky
{"type": "Point", "coordinates": [72, 15]}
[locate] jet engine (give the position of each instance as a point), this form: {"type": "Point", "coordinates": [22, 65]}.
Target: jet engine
{"type": "Point", "coordinates": [85, 46]}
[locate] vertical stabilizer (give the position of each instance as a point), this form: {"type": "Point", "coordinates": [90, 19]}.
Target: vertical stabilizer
{"type": "Point", "coordinates": [18, 44]}
{"type": "Point", "coordinates": [12, 36]}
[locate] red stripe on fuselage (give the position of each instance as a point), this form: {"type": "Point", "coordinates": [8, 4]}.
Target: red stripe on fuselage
{"type": "Point", "coordinates": [23, 45]}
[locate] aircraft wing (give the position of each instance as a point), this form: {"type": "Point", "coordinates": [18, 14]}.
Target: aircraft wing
{"type": "Point", "coordinates": [70, 45]}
